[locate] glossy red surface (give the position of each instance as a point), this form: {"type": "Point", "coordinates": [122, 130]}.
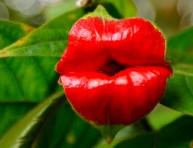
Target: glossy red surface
{"type": "Point", "coordinates": [114, 72]}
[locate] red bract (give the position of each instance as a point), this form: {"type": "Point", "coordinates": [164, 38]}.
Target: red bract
{"type": "Point", "coordinates": [113, 71]}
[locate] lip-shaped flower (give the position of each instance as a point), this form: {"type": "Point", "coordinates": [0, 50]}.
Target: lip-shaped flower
{"type": "Point", "coordinates": [113, 71]}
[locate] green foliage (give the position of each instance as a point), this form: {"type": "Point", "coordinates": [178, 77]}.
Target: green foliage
{"type": "Point", "coordinates": [25, 131]}
{"type": "Point", "coordinates": [31, 79]}
{"type": "Point", "coordinates": [68, 130]}
{"type": "Point", "coordinates": [36, 127]}
{"type": "Point", "coordinates": [11, 32]}
{"type": "Point", "coordinates": [174, 135]}
{"type": "Point", "coordinates": [124, 8]}
{"type": "Point", "coordinates": [48, 40]}
{"type": "Point", "coordinates": [12, 112]}
{"type": "Point", "coordinates": [27, 59]}
{"type": "Point", "coordinates": [179, 92]}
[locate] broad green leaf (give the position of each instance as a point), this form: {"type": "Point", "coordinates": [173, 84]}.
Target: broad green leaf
{"type": "Point", "coordinates": [11, 113]}
{"type": "Point", "coordinates": [11, 32]}
{"type": "Point", "coordinates": [180, 47]}
{"type": "Point", "coordinates": [161, 116]}
{"type": "Point", "coordinates": [32, 79]}
{"type": "Point", "coordinates": [179, 92]}
{"type": "Point", "coordinates": [142, 141]}
{"type": "Point", "coordinates": [67, 130]}
{"type": "Point", "coordinates": [48, 40]}
{"type": "Point", "coordinates": [27, 79]}
{"type": "Point", "coordinates": [52, 124]}
{"type": "Point", "coordinates": [178, 134]}
{"type": "Point", "coordinates": [25, 131]}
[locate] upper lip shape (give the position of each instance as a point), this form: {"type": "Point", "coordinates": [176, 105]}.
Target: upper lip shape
{"type": "Point", "coordinates": [113, 71]}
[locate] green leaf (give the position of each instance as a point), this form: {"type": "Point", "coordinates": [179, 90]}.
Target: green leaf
{"type": "Point", "coordinates": [179, 92]}
{"type": "Point", "coordinates": [48, 40]}
{"type": "Point", "coordinates": [31, 79]}
{"type": "Point", "coordinates": [180, 47]}
{"type": "Point", "coordinates": [26, 130]}
{"type": "Point", "coordinates": [11, 32]}
{"type": "Point", "coordinates": [142, 141]}
{"type": "Point", "coordinates": [66, 129]}
{"type": "Point", "coordinates": [52, 123]}
{"type": "Point", "coordinates": [161, 116]}
{"type": "Point", "coordinates": [27, 79]}
{"type": "Point", "coordinates": [125, 8]}
{"type": "Point", "coordinates": [11, 113]}
{"type": "Point", "coordinates": [178, 134]}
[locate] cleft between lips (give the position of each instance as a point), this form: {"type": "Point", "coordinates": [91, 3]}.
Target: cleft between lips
{"type": "Point", "coordinates": [112, 67]}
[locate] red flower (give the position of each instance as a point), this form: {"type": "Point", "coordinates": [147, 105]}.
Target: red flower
{"type": "Point", "coordinates": [113, 71]}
